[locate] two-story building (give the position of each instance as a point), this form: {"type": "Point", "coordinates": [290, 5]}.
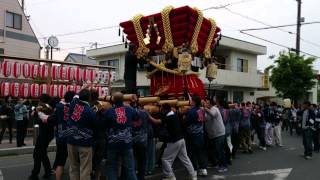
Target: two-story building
{"type": "Point", "coordinates": [16, 35]}
{"type": "Point", "coordinates": [237, 78]}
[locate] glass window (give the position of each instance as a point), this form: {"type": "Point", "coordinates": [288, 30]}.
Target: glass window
{"type": "Point", "coordinates": [237, 96]}
{"type": "Point", "coordinates": [13, 20]}
{"type": "Point", "coordinates": [9, 20]}
{"type": "Point", "coordinates": [112, 62]}
{"type": "Point", "coordinates": [242, 65]}
{"type": "Point", "coordinates": [1, 52]}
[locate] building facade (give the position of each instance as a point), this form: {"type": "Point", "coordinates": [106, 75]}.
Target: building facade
{"type": "Point", "coordinates": [16, 35]}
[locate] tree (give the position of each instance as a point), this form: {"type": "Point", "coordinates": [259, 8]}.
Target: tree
{"type": "Point", "coordinates": [292, 75]}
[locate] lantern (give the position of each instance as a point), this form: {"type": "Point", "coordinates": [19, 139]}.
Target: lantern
{"type": "Point", "coordinates": [112, 76]}
{"type": "Point", "coordinates": [92, 75]}
{"type": "Point", "coordinates": [70, 88]}
{"type": "Point", "coordinates": [5, 89]}
{"type": "Point", "coordinates": [62, 89]}
{"type": "Point", "coordinates": [34, 71]}
{"type": "Point", "coordinates": [25, 90]}
{"type": "Point", "coordinates": [44, 71]}
{"type": "Point", "coordinates": [70, 73]}
{"type": "Point", "coordinates": [184, 62]}
{"type": "Point", "coordinates": [211, 73]}
{"type": "Point", "coordinates": [16, 69]}
{"type": "Point", "coordinates": [78, 74]}
{"type": "Point", "coordinates": [44, 89]}
{"type": "Point", "coordinates": [14, 89]}
{"type": "Point", "coordinates": [77, 89]}
{"type": "Point", "coordinates": [53, 90]}
{"type": "Point", "coordinates": [85, 74]}
{"type": "Point", "coordinates": [62, 72]}
{"type": "Point", "coordinates": [6, 68]}
{"type": "Point", "coordinates": [98, 76]}
{"type": "Point", "coordinates": [35, 90]}
{"type": "Point", "coordinates": [55, 73]}
{"type": "Point", "coordinates": [26, 70]}
{"type": "Point", "coordinates": [105, 91]}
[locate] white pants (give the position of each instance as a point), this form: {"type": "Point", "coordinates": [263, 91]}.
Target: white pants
{"type": "Point", "coordinates": [277, 135]}
{"type": "Point", "coordinates": [169, 155]}
{"type": "Point", "coordinates": [229, 143]}
{"type": "Point", "coordinates": [269, 134]}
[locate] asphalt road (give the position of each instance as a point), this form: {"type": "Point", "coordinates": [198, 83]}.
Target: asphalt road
{"type": "Point", "coordinates": [277, 163]}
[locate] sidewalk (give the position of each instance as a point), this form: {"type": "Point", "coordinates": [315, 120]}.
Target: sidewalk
{"type": "Point", "coordinates": [7, 149]}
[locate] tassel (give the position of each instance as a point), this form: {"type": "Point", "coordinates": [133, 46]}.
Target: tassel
{"type": "Point", "coordinates": [123, 38]}
{"type": "Point", "coordinates": [119, 32]}
{"type": "Point", "coordinates": [126, 44]}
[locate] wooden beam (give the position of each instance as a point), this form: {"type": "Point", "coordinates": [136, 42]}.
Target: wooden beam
{"type": "Point", "coordinates": [54, 62]}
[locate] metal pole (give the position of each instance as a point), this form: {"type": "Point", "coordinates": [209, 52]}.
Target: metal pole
{"type": "Point", "coordinates": [298, 28]}
{"type": "Point", "coordinates": [51, 49]}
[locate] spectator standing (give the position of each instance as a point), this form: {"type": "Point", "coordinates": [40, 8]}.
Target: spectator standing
{"type": "Point", "coordinates": [261, 126]}
{"type": "Point", "coordinates": [119, 121]}
{"type": "Point", "coordinates": [245, 130]}
{"type": "Point", "coordinates": [20, 112]}
{"type": "Point", "coordinates": [80, 139]}
{"type": "Point", "coordinates": [194, 121]}
{"type": "Point", "coordinates": [216, 134]}
{"type": "Point", "coordinates": [269, 128]}
{"type": "Point", "coordinates": [6, 118]}
{"type": "Point", "coordinates": [224, 111]}
{"type": "Point", "coordinates": [234, 115]}
{"type": "Point", "coordinates": [308, 120]}
{"type": "Point", "coordinates": [315, 134]}
{"type": "Point", "coordinates": [275, 116]}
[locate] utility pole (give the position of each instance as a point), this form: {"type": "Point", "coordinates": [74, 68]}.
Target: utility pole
{"type": "Point", "coordinates": [298, 27]}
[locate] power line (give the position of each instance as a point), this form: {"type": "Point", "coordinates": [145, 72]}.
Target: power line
{"type": "Point", "coordinates": [226, 5]}
{"type": "Point", "coordinates": [273, 27]}
{"type": "Point", "coordinates": [279, 28]}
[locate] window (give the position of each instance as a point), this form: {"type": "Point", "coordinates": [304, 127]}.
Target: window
{"type": "Point", "coordinates": [113, 62]}
{"type": "Point", "coordinates": [237, 96]}
{"type": "Point", "coordinates": [242, 65]}
{"type": "Point", "coordinates": [1, 52]}
{"type": "Point", "coordinates": [13, 20]}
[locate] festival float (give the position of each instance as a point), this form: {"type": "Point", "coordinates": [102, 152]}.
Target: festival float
{"type": "Point", "coordinates": [174, 45]}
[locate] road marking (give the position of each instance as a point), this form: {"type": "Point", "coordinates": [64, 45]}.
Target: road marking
{"type": "Point", "coordinates": [1, 176]}
{"type": "Point", "coordinates": [279, 174]}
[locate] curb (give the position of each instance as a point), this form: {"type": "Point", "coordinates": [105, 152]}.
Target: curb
{"type": "Point", "coordinates": [22, 150]}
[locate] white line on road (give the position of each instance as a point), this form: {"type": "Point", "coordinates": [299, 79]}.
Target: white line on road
{"type": "Point", "coordinates": [279, 174]}
{"type": "Point", "coordinates": [1, 176]}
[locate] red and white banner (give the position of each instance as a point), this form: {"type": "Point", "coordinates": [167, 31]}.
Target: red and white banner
{"type": "Point", "coordinates": [70, 73]}
{"type": "Point", "coordinates": [55, 73]}
{"type": "Point", "coordinates": [14, 89]}
{"type": "Point", "coordinates": [5, 89]}
{"type": "Point", "coordinates": [35, 90]}
{"type": "Point", "coordinates": [34, 71]}
{"type": "Point", "coordinates": [25, 90]}
{"type": "Point", "coordinates": [44, 71]}
{"type": "Point", "coordinates": [62, 89]}
{"type": "Point", "coordinates": [44, 89]}
{"type": "Point", "coordinates": [53, 90]}
{"type": "Point", "coordinates": [78, 74]}
{"type": "Point", "coordinates": [16, 69]}
{"type": "Point", "coordinates": [6, 68]}
{"type": "Point", "coordinates": [62, 72]}
{"type": "Point", "coordinates": [26, 70]}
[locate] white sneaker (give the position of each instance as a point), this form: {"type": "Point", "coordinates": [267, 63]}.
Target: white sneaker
{"type": "Point", "coordinates": [169, 178]}
{"type": "Point", "coordinates": [203, 172]}
{"type": "Point", "coordinates": [194, 178]}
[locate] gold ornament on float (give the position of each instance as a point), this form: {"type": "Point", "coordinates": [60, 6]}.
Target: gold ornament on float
{"type": "Point", "coordinates": [168, 44]}
{"type": "Point", "coordinates": [194, 41]}
{"type": "Point", "coordinates": [207, 49]}
{"type": "Point", "coordinates": [142, 49]}
{"type": "Point", "coordinates": [184, 62]}
{"type": "Point", "coordinates": [212, 71]}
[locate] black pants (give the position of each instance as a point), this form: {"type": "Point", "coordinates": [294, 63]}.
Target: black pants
{"type": "Point", "coordinates": [261, 136]}
{"type": "Point", "coordinates": [20, 127]}
{"type": "Point", "coordinates": [40, 154]}
{"type": "Point", "coordinates": [6, 123]}
{"type": "Point", "coordinates": [316, 143]}
{"type": "Point", "coordinates": [217, 147]}
{"type": "Point", "coordinates": [61, 154]}
{"type": "Point", "coordinates": [197, 154]}
{"type": "Point", "coordinates": [235, 139]}
{"type": "Point", "coordinates": [140, 154]}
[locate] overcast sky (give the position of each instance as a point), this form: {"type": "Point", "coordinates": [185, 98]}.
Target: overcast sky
{"type": "Point", "coordinates": [54, 17]}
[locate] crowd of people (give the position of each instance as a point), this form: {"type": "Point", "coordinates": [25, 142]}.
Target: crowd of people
{"type": "Point", "coordinates": [120, 142]}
